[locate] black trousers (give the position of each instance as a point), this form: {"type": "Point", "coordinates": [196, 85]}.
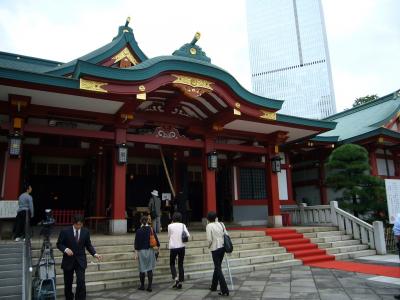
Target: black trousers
{"type": "Point", "coordinates": [80, 293]}
{"type": "Point", "coordinates": [218, 276]}
{"type": "Point", "coordinates": [398, 245]}
{"type": "Point", "coordinates": [19, 229]}
{"type": "Point", "coordinates": [180, 252]}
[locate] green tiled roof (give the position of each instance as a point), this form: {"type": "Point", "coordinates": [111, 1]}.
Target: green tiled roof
{"type": "Point", "coordinates": [125, 36]}
{"type": "Point", "coordinates": [26, 63]}
{"type": "Point", "coordinates": [157, 65]}
{"type": "Point", "coordinates": [363, 121]}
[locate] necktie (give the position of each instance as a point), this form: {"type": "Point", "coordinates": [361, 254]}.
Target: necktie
{"type": "Point", "coordinates": [76, 236]}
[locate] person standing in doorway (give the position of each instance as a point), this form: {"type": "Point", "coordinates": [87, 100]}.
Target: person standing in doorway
{"type": "Point", "coordinates": [25, 206]}
{"type": "Point", "coordinates": [155, 210]}
{"type": "Point", "coordinates": [177, 248]}
{"type": "Point", "coordinates": [215, 238]}
{"type": "Point", "coordinates": [72, 242]}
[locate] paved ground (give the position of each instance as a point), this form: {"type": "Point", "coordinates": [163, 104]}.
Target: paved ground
{"type": "Point", "coordinates": [298, 282]}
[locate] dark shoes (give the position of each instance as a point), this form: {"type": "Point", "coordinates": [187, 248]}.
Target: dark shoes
{"type": "Point", "coordinates": [149, 289]}
{"type": "Point", "coordinates": [397, 297]}
{"type": "Point", "coordinates": [177, 285]}
{"type": "Point", "coordinates": [141, 287]}
{"type": "Point", "coordinates": [223, 294]}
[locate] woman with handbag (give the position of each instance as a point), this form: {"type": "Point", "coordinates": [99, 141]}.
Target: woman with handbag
{"type": "Point", "coordinates": [146, 245]}
{"type": "Point", "coordinates": [177, 235]}
{"type": "Point", "coordinates": [215, 237]}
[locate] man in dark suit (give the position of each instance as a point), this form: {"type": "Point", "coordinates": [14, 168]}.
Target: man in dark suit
{"type": "Point", "coordinates": [72, 242]}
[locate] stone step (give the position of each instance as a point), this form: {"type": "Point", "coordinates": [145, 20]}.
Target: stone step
{"type": "Point", "coordinates": [103, 275]}
{"type": "Point", "coordinates": [11, 273]}
{"type": "Point", "coordinates": [346, 249]}
{"type": "Point", "coordinates": [134, 280]}
{"type": "Point", "coordinates": [10, 290]}
{"type": "Point", "coordinates": [10, 260]}
{"type": "Point", "coordinates": [323, 234]}
{"type": "Point", "coordinates": [104, 240]}
{"type": "Point", "coordinates": [310, 229]}
{"type": "Point", "coordinates": [338, 244]}
{"type": "Point", "coordinates": [12, 297]}
{"type": "Point", "coordinates": [350, 255]}
{"type": "Point", "coordinates": [109, 254]}
{"type": "Point", "coordinates": [11, 267]}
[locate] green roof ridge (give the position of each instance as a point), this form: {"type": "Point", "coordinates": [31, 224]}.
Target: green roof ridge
{"type": "Point", "coordinates": [353, 110]}
{"type": "Point", "coordinates": [157, 65]}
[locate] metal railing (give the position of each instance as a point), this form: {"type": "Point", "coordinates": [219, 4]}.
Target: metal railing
{"type": "Point", "coordinates": [372, 235]}
{"type": "Point", "coordinates": [27, 261]}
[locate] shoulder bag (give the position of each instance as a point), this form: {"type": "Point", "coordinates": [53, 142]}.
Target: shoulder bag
{"type": "Point", "coordinates": [227, 240]}
{"type": "Point", "coordinates": [185, 237]}
{"type": "Point", "coordinates": [153, 241]}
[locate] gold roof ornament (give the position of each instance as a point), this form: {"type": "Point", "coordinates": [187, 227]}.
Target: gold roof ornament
{"type": "Point", "coordinates": [128, 19]}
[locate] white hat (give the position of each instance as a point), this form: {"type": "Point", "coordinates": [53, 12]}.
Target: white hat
{"type": "Point", "coordinates": [155, 193]}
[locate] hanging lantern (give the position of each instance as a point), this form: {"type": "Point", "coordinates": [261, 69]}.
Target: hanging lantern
{"type": "Point", "coordinates": [276, 164]}
{"type": "Point", "coordinates": [212, 160]}
{"type": "Point", "coordinates": [122, 154]}
{"type": "Point", "coordinates": [15, 141]}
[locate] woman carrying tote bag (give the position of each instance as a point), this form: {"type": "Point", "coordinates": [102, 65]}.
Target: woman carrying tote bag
{"type": "Point", "coordinates": [215, 237]}
{"type": "Point", "coordinates": [177, 232]}
{"type": "Point", "coordinates": [145, 250]}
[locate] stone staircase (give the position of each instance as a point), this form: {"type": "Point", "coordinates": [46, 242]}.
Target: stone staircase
{"type": "Point", "coordinates": [11, 270]}
{"type": "Point", "coordinates": [336, 242]}
{"type": "Point", "coordinates": [252, 251]}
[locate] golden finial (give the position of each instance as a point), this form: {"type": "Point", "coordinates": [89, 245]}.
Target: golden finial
{"type": "Point", "coordinates": [128, 19]}
{"type": "Point", "coordinates": [196, 38]}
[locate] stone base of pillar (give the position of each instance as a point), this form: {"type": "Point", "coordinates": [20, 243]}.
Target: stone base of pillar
{"type": "Point", "coordinates": [275, 221]}
{"type": "Point", "coordinates": [117, 226]}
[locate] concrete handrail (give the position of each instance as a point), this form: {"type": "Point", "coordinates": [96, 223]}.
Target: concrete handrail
{"type": "Point", "coordinates": [372, 235]}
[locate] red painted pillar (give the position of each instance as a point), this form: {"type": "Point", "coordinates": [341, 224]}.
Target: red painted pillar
{"type": "Point", "coordinates": [322, 188]}
{"type": "Point", "coordinates": [274, 209]}
{"type": "Point", "coordinates": [12, 177]}
{"type": "Point", "coordinates": [372, 161]}
{"type": "Point", "coordinates": [100, 205]}
{"type": "Point", "coordinates": [209, 193]}
{"type": "Point", "coordinates": [118, 222]}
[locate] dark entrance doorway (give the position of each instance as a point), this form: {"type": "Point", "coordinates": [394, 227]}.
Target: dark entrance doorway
{"type": "Point", "coordinates": [224, 193]}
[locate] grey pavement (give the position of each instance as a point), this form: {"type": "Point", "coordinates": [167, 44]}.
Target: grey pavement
{"type": "Point", "coordinates": [297, 282]}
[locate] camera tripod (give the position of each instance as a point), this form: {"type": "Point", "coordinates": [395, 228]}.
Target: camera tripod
{"type": "Point", "coordinates": [44, 282]}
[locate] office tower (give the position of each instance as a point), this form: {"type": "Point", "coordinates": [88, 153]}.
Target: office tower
{"type": "Point", "coordinates": [289, 57]}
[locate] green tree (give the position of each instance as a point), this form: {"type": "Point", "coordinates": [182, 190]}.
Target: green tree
{"type": "Point", "coordinates": [363, 100]}
{"type": "Point", "coordinates": [362, 194]}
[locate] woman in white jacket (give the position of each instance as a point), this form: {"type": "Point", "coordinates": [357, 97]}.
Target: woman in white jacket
{"type": "Point", "coordinates": [215, 237]}
{"type": "Point", "coordinates": [177, 248]}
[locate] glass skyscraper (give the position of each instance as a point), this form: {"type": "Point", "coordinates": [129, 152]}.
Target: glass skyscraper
{"type": "Point", "coordinates": [289, 56]}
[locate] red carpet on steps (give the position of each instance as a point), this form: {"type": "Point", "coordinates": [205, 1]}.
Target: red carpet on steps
{"type": "Point", "coordinates": [300, 246]}
{"type": "Point", "coordinates": [312, 256]}
{"type": "Point", "coordinates": [295, 243]}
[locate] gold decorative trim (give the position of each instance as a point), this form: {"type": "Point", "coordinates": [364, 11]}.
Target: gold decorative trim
{"type": "Point", "coordinates": [237, 105]}
{"type": "Point", "coordinates": [193, 82]}
{"type": "Point", "coordinates": [125, 53]}
{"type": "Point", "coordinates": [193, 51]}
{"type": "Point", "coordinates": [142, 88]}
{"type": "Point", "coordinates": [91, 85]}
{"type": "Point", "coordinates": [141, 96]}
{"type": "Point", "coordinates": [236, 112]}
{"type": "Point", "coordinates": [267, 115]}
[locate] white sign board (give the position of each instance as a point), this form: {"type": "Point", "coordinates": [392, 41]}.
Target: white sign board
{"type": "Point", "coordinates": [165, 196]}
{"type": "Point", "coordinates": [8, 209]}
{"type": "Point", "coordinates": [393, 198]}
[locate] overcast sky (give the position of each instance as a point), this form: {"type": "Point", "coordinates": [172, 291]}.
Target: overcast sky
{"type": "Point", "coordinates": [363, 35]}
